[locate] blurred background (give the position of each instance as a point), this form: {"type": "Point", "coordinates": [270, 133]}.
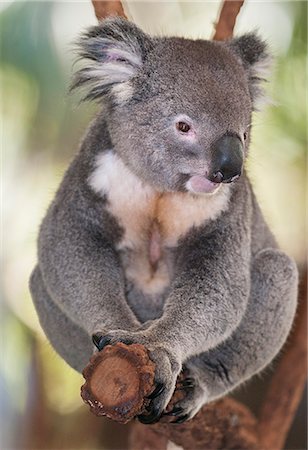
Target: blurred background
{"type": "Point", "coordinates": [41, 127]}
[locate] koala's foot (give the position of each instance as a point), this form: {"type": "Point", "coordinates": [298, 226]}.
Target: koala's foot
{"type": "Point", "coordinates": [167, 368]}
{"type": "Point", "coordinates": [194, 399]}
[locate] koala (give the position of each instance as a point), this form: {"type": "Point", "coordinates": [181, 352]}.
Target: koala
{"type": "Point", "coordinates": [155, 235]}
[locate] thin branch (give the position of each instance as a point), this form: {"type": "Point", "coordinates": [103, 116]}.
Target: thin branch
{"type": "Point", "coordinates": [227, 18]}
{"type": "Point", "coordinates": [106, 8]}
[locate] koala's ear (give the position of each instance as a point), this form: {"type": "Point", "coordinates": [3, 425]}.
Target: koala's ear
{"type": "Point", "coordinates": [256, 59]}
{"type": "Point", "coordinates": [114, 50]}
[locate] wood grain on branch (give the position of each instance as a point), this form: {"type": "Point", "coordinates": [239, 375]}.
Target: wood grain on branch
{"type": "Point", "coordinates": [118, 380]}
{"type": "Point", "coordinates": [227, 18]}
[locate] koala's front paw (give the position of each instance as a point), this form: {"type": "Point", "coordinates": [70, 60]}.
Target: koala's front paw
{"type": "Point", "coordinates": [101, 339]}
{"type": "Point", "coordinates": [195, 398]}
{"type": "Point", "coordinates": [166, 372]}
{"type": "Point", "coordinates": [167, 368]}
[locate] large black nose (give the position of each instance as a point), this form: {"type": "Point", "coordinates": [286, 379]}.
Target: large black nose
{"type": "Point", "coordinates": [227, 159]}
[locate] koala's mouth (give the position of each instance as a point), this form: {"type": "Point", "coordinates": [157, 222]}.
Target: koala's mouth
{"type": "Point", "coordinates": [199, 184]}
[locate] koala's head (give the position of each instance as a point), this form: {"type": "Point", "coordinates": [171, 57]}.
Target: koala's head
{"type": "Point", "coordinates": [178, 110]}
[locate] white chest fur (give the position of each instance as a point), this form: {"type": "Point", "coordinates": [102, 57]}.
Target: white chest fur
{"type": "Point", "coordinates": [152, 221]}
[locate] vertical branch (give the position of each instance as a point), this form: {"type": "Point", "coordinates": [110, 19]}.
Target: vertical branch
{"type": "Point", "coordinates": [287, 384]}
{"type": "Point", "coordinates": [227, 18]}
{"type": "Point", "coordinates": [104, 8]}
{"type": "Point", "coordinates": [35, 430]}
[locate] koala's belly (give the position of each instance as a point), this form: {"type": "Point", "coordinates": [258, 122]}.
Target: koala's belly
{"type": "Point", "coordinates": [148, 269]}
{"type": "Point", "coordinates": [152, 225]}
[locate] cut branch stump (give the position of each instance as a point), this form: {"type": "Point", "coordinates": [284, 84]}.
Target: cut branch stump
{"type": "Point", "coordinates": [118, 380]}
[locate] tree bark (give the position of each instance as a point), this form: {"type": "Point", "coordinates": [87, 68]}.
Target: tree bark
{"type": "Point", "coordinates": [104, 8]}
{"type": "Point", "coordinates": [287, 384]}
{"type": "Point", "coordinates": [225, 424]}
{"type": "Point", "coordinates": [118, 381]}
{"type": "Point", "coordinates": [227, 18]}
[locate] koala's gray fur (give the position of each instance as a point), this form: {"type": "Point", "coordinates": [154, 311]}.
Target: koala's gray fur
{"type": "Point", "coordinates": [129, 251]}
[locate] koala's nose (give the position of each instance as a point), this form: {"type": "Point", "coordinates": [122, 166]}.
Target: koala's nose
{"type": "Point", "coordinates": [227, 159]}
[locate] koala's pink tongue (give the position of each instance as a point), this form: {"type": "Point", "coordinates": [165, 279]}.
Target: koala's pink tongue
{"type": "Point", "coordinates": [202, 184]}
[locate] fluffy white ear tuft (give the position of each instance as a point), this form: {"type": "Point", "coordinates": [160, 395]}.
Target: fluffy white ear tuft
{"type": "Point", "coordinates": [257, 61]}
{"type": "Point", "coordinates": [115, 51]}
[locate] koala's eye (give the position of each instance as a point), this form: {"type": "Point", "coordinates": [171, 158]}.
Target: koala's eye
{"type": "Point", "coordinates": [245, 135]}
{"type": "Point", "coordinates": [183, 127]}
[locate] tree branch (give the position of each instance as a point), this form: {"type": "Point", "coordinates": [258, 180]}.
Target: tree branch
{"type": "Point", "coordinates": [104, 8]}
{"type": "Point", "coordinates": [227, 18]}
{"type": "Point", "coordinates": [287, 384]}
{"type": "Point", "coordinates": [226, 424]}
{"type": "Point", "coordinates": [118, 381]}
{"type": "Point", "coordinates": [120, 378]}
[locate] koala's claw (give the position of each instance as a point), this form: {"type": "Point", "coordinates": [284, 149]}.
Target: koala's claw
{"type": "Point", "coordinates": [157, 391]}
{"type": "Point", "coordinates": [188, 383]}
{"type": "Point", "coordinates": [153, 416]}
{"type": "Point", "coordinates": [100, 341]}
{"type": "Point", "coordinates": [156, 407]}
{"type": "Point", "coordinates": [195, 397]}
{"type": "Point", "coordinates": [175, 411]}
{"type": "Point", "coordinates": [148, 419]}
{"type": "Point", "coordinates": [181, 419]}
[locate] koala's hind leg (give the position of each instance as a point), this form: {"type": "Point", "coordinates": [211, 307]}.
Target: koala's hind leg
{"type": "Point", "coordinates": [259, 337]}
{"type": "Point", "coordinates": [69, 340]}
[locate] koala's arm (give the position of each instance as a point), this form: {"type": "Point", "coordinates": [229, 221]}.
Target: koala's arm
{"type": "Point", "coordinates": [208, 297]}
{"type": "Point", "coordinates": [78, 262]}
{"type": "Point", "coordinates": [211, 289]}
